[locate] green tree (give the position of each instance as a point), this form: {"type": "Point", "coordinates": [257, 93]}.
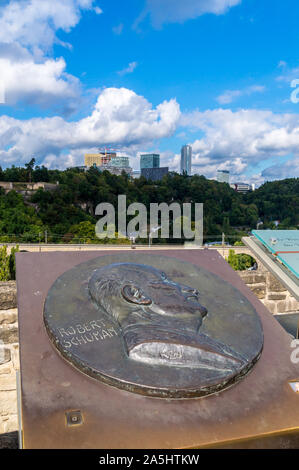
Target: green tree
{"type": "Point", "coordinates": [4, 264]}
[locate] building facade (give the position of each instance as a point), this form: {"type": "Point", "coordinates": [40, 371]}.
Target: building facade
{"type": "Point", "coordinates": [241, 187]}
{"type": "Point", "coordinates": [150, 160]}
{"type": "Point", "coordinates": [98, 159]}
{"type": "Point", "coordinates": [223, 176]}
{"type": "Point", "coordinates": [154, 174]}
{"type": "Point", "coordinates": [186, 159]}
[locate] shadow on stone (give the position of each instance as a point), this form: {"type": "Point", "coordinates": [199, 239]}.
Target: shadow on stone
{"type": "Point", "coordinates": [9, 440]}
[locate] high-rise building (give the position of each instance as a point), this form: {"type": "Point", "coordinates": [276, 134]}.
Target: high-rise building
{"type": "Point", "coordinates": [223, 176]}
{"type": "Point", "coordinates": [150, 160]}
{"type": "Point", "coordinates": [186, 159]}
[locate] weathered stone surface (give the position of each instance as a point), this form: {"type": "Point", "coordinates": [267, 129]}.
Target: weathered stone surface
{"type": "Point", "coordinates": [8, 402]}
{"type": "Point", "coordinates": [5, 355]}
{"type": "Point", "coordinates": [15, 356]}
{"type": "Point", "coordinates": [7, 382]}
{"type": "Point", "coordinates": [259, 291]}
{"type": "Point", "coordinates": [6, 369]}
{"type": "Point", "coordinates": [9, 335]}
{"type": "Point", "coordinates": [8, 295]}
{"type": "Point", "coordinates": [10, 423]}
{"type": "Point", "coordinates": [9, 440]}
{"type": "Point", "coordinates": [252, 277]}
{"type": "Point", "coordinates": [282, 306]}
{"type": "Point", "coordinates": [274, 285]}
{"type": "Point", "coordinates": [281, 296]}
{"type": "Point", "coordinates": [293, 305]}
{"type": "Point", "coordinates": [271, 305]}
{"type": "Point", "coordinates": [8, 317]}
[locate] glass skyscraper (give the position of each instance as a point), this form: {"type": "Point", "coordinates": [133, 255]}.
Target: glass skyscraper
{"type": "Point", "coordinates": [150, 160]}
{"type": "Point", "coordinates": [186, 159]}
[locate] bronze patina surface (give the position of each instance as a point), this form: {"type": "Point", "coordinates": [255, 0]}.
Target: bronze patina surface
{"type": "Point", "coordinates": [65, 408]}
{"type": "Point", "coordinates": [144, 329]}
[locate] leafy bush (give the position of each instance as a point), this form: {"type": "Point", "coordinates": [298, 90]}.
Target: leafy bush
{"type": "Point", "coordinates": [8, 264]}
{"type": "Point", "coordinates": [240, 262]}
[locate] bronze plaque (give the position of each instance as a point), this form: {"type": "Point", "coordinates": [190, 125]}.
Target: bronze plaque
{"type": "Point", "coordinates": [156, 326]}
{"type": "Point", "coordinates": [79, 401]}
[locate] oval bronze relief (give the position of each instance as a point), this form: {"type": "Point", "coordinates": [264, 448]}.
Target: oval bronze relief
{"type": "Point", "coordinates": [153, 325]}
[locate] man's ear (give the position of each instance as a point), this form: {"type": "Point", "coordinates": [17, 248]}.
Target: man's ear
{"type": "Point", "coordinates": [135, 295]}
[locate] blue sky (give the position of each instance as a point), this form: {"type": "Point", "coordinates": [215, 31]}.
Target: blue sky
{"type": "Point", "coordinates": [152, 75]}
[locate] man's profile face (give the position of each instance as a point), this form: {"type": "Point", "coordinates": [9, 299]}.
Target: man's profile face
{"type": "Point", "coordinates": [139, 288]}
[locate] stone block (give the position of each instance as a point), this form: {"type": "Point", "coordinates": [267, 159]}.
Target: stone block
{"type": "Point", "coordinates": [5, 355]}
{"type": "Point", "coordinates": [293, 305]}
{"type": "Point", "coordinates": [6, 369]}
{"type": "Point", "coordinates": [8, 295]}
{"type": "Point", "coordinates": [8, 317]}
{"type": "Point", "coordinates": [247, 277]}
{"type": "Point", "coordinates": [259, 291]}
{"type": "Point", "coordinates": [274, 285]}
{"type": "Point", "coordinates": [7, 383]}
{"type": "Point", "coordinates": [281, 296]}
{"type": "Point", "coordinates": [271, 305]}
{"type": "Point", "coordinates": [8, 402]}
{"type": "Point", "coordinates": [282, 306]}
{"type": "Point", "coordinates": [9, 335]}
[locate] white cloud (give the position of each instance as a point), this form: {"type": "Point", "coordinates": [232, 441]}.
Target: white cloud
{"type": "Point", "coordinates": [28, 30]}
{"type": "Point", "coordinates": [241, 139]}
{"type": "Point", "coordinates": [44, 84]}
{"type": "Point", "coordinates": [130, 69]}
{"type": "Point", "coordinates": [120, 117]}
{"type": "Point", "coordinates": [33, 23]}
{"type": "Point", "coordinates": [289, 169]}
{"type": "Point", "coordinates": [230, 95]}
{"type": "Point", "coordinates": [172, 11]}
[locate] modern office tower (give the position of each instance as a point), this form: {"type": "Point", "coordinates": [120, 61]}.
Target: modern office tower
{"type": "Point", "coordinates": [223, 176]}
{"type": "Point", "coordinates": [154, 174]}
{"type": "Point", "coordinates": [150, 160]}
{"type": "Point", "coordinates": [186, 159]}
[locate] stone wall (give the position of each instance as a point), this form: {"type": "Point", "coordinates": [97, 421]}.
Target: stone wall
{"type": "Point", "coordinates": [270, 291]}
{"type": "Point", "coordinates": [9, 364]}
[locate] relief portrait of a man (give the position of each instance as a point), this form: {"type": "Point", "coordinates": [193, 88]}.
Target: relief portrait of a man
{"type": "Point", "coordinates": [160, 320]}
